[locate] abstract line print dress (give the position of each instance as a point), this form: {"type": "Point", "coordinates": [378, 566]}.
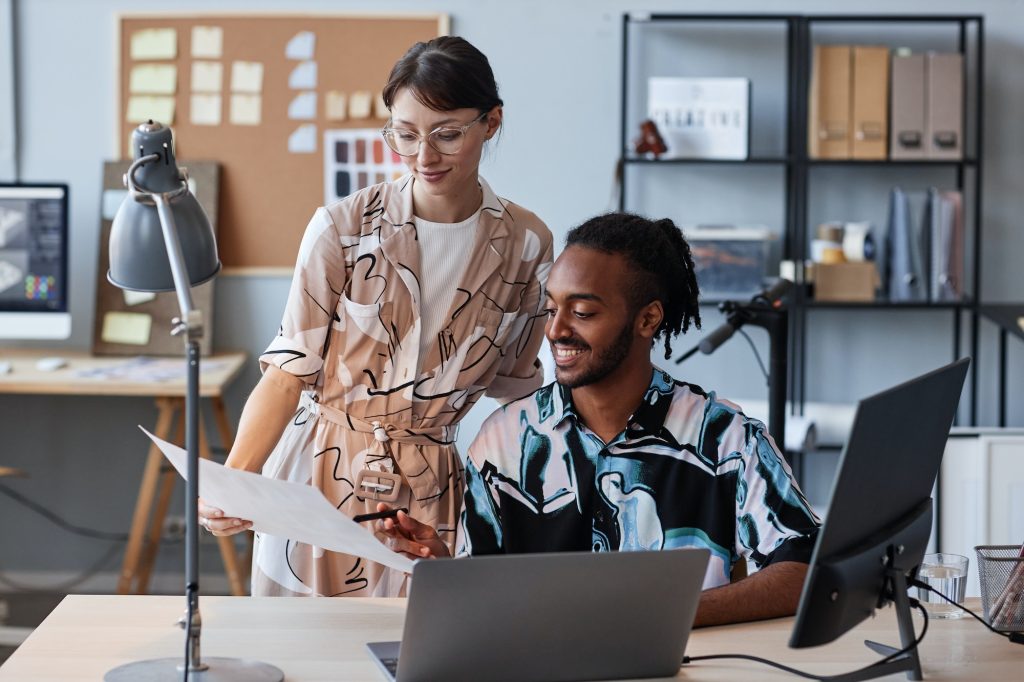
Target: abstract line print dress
{"type": "Point", "coordinates": [351, 332]}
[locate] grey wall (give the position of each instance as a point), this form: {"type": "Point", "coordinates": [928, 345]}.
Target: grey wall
{"type": "Point", "coordinates": [558, 65]}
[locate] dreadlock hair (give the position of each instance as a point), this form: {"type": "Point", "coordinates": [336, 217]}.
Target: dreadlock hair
{"type": "Point", "coordinates": [662, 264]}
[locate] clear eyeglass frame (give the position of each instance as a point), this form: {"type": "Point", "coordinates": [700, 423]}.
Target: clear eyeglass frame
{"type": "Point", "coordinates": [433, 138]}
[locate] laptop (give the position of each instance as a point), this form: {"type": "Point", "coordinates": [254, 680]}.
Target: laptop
{"type": "Point", "coordinates": [556, 617]}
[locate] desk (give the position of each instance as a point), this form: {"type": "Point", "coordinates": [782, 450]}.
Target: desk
{"type": "Point", "coordinates": [159, 478]}
{"type": "Point", "coordinates": [321, 640]}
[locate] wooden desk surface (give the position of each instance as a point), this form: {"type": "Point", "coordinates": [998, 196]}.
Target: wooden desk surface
{"type": "Point", "coordinates": [322, 640]}
{"type": "Point", "coordinates": [217, 371]}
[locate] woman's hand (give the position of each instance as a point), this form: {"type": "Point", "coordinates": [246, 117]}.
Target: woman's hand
{"type": "Point", "coordinates": [213, 520]}
{"type": "Point", "coordinates": [408, 536]}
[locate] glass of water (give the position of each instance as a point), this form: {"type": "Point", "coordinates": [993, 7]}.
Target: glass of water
{"type": "Point", "coordinates": [945, 573]}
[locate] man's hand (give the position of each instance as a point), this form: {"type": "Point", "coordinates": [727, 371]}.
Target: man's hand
{"type": "Point", "coordinates": [408, 536]}
{"type": "Point", "coordinates": [213, 520]}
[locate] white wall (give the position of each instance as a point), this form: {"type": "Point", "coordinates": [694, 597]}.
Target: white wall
{"type": "Point", "coordinates": [558, 67]}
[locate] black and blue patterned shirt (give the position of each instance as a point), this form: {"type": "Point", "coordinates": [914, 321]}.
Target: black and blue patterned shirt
{"type": "Point", "coordinates": [690, 470]}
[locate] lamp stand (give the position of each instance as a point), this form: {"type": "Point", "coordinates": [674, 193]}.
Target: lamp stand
{"type": "Point", "coordinates": [190, 324]}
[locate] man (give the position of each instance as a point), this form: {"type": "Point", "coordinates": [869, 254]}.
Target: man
{"type": "Point", "coordinates": [617, 455]}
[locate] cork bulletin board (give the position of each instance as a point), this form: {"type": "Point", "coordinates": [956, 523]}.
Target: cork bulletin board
{"type": "Point", "coordinates": [270, 98]}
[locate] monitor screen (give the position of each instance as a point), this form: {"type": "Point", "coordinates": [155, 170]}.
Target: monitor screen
{"type": "Point", "coordinates": [881, 499]}
{"type": "Point", "coordinates": [34, 261]}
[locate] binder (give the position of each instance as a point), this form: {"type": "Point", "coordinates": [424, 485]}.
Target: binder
{"type": "Point", "coordinates": [908, 107]}
{"type": "Point", "coordinates": [944, 221]}
{"type": "Point", "coordinates": [870, 102]}
{"type": "Point", "coordinates": [944, 112]}
{"type": "Point", "coordinates": [905, 252]}
{"type": "Point", "coordinates": [828, 130]}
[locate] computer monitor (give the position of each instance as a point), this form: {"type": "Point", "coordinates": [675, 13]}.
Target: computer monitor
{"type": "Point", "coordinates": [34, 262]}
{"type": "Point", "coordinates": [880, 516]}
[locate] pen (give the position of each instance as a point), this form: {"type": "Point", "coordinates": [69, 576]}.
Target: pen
{"type": "Point", "coordinates": [359, 518]}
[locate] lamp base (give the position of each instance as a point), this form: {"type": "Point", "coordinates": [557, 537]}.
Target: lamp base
{"type": "Point", "coordinates": [218, 670]}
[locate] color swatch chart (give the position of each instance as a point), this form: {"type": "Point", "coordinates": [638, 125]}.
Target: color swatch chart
{"type": "Point", "coordinates": [355, 158]}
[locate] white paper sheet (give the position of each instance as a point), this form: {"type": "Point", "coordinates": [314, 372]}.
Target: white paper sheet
{"type": "Point", "coordinates": [207, 76]}
{"type": "Point", "coordinates": [282, 508]}
{"type": "Point", "coordinates": [154, 43]}
{"type": "Point", "coordinates": [247, 77]}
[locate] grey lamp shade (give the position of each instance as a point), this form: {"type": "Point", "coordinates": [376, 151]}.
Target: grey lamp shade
{"type": "Point", "coordinates": [138, 255]}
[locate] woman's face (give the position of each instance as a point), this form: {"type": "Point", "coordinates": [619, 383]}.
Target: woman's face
{"type": "Point", "coordinates": [444, 176]}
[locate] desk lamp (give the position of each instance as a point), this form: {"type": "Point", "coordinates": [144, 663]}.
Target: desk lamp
{"type": "Point", "coordinates": [161, 240]}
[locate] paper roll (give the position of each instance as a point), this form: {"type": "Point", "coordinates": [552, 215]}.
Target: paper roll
{"type": "Point", "coordinates": [858, 243]}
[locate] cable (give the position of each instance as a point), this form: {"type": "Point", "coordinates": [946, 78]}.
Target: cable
{"type": "Point", "coordinates": [920, 584]}
{"type": "Point", "coordinates": [800, 673]}
{"type": "Point", "coordinates": [756, 353]}
{"type": "Point", "coordinates": [93, 570]}
{"type": "Point", "coordinates": [188, 631]}
{"type": "Point", "coordinates": [51, 516]}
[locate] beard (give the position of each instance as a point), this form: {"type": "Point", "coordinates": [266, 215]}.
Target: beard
{"type": "Point", "coordinates": [603, 363]}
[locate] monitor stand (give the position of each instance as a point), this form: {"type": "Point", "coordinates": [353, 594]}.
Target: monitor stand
{"type": "Point", "coordinates": [896, 584]}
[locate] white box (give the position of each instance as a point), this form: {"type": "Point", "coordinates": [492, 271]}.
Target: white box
{"type": "Point", "coordinates": [701, 118]}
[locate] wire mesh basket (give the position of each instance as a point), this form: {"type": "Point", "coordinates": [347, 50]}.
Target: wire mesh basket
{"type": "Point", "coordinates": [1001, 574]}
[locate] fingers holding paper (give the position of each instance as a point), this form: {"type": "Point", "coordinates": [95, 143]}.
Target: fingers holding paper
{"type": "Point", "coordinates": [407, 536]}
{"type": "Point", "coordinates": [213, 520]}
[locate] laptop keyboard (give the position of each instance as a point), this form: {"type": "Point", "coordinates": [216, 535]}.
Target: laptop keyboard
{"type": "Point", "coordinates": [390, 664]}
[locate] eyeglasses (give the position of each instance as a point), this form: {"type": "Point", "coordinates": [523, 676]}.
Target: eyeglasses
{"type": "Point", "coordinates": [444, 140]}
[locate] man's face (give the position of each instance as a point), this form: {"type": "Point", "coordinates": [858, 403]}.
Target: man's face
{"type": "Point", "coordinates": [590, 323]}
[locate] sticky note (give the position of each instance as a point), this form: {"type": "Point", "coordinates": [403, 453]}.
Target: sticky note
{"type": "Point", "coordinates": [207, 76]}
{"type": "Point", "coordinates": [301, 46]}
{"type": "Point", "coordinates": [143, 108]}
{"type": "Point", "coordinates": [112, 200]}
{"type": "Point", "coordinates": [247, 77]}
{"type": "Point", "coordinates": [153, 79]}
{"type": "Point", "coordinates": [137, 297]}
{"type": "Point", "coordinates": [303, 139]}
{"type": "Point", "coordinates": [245, 110]}
{"type": "Point", "coordinates": [127, 328]}
{"type": "Point", "coordinates": [207, 42]}
{"type": "Point", "coordinates": [303, 107]}
{"type": "Point", "coordinates": [335, 106]}
{"type": "Point", "coordinates": [359, 104]}
{"type": "Point", "coordinates": [205, 110]}
{"type": "Point", "coordinates": [303, 76]}
{"type": "Point", "coordinates": [154, 43]}
{"type": "Point", "coordinates": [380, 109]}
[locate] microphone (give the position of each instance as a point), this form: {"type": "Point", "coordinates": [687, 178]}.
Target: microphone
{"type": "Point", "coordinates": [772, 297]}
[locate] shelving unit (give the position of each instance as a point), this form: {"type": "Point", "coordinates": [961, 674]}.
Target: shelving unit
{"type": "Point", "coordinates": [966, 32]}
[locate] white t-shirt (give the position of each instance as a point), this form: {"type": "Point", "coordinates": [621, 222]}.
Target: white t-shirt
{"type": "Point", "coordinates": [445, 249]}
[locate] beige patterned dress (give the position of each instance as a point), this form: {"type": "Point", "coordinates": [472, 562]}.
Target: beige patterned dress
{"type": "Point", "coordinates": [351, 332]}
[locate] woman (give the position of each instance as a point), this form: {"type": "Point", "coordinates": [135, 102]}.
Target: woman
{"type": "Point", "coordinates": [410, 300]}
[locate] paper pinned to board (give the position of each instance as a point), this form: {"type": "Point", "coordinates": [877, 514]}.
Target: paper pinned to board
{"type": "Point", "coordinates": [153, 79]}
{"type": "Point", "coordinates": [301, 46]}
{"type": "Point", "coordinates": [157, 107]}
{"type": "Point", "coordinates": [207, 76]}
{"type": "Point", "coordinates": [245, 110]}
{"type": "Point", "coordinates": [360, 104]}
{"type": "Point", "coordinates": [303, 139]}
{"type": "Point", "coordinates": [247, 77]}
{"type": "Point", "coordinates": [335, 106]}
{"type": "Point", "coordinates": [205, 110]}
{"type": "Point", "coordinates": [303, 107]}
{"type": "Point", "coordinates": [282, 508]}
{"type": "Point", "coordinates": [154, 43]}
{"type": "Point", "coordinates": [132, 329]}
{"type": "Point", "coordinates": [303, 76]}
{"type": "Point", "coordinates": [207, 42]}
{"type": "Point", "coordinates": [137, 297]}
